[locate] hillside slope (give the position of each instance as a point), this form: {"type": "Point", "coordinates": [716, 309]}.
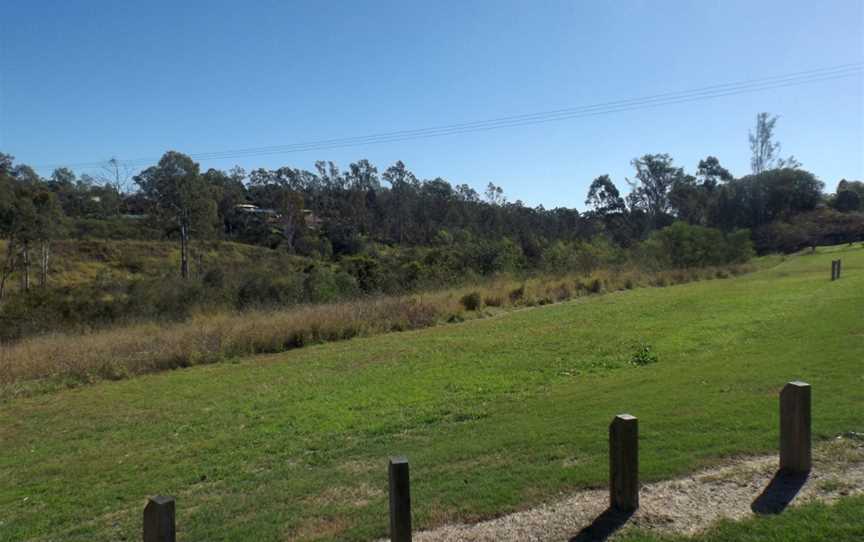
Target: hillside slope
{"type": "Point", "coordinates": [495, 414]}
{"type": "Point", "coordinates": [76, 262]}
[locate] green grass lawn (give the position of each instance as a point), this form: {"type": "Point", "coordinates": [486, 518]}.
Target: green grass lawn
{"type": "Point", "coordinates": [494, 414]}
{"type": "Point", "coordinates": [814, 522]}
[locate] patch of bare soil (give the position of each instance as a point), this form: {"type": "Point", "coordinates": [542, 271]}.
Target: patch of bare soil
{"type": "Point", "coordinates": [685, 505]}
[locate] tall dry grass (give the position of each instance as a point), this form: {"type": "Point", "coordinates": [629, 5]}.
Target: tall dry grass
{"type": "Point", "coordinates": [50, 361]}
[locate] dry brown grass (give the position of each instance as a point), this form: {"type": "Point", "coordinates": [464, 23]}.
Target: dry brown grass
{"type": "Point", "coordinates": [60, 359]}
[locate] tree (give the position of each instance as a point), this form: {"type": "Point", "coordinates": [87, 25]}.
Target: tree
{"type": "Point", "coordinates": [403, 188]}
{"type": "Point", "coordinates": [116, 174]}
{"type": "Point", "coordinates": [289, 208]}
{"type": "Point", "coordinates": [604, 198]}
{"type": "Point", "coordinates": [6, 161]}
{"type": "Point", "coordinates": [495, 195]}
{"type": "Point", "coordinates": [849, 197]}
{"type": "Point", "coordinates": [48, 220]}
{"type": "Point", "coordinates": [29, 213]}
{"type": "Point", "coordinates": [7, 218]}
{"type": "Point", "coordinates": [711, 173]}
{"type": "Point", "coordinates": [181, 200]}
{"type": "Point", "coordinates": [847, 200]}
{"type": "Point", "coordinates": [655, 176]}
{"type": "Point", "coordinates": [689, 200]}
{"type": "Point", "coordinates": [776, 194]}
{"type": "Point", "coordinates": [764, 151]}
{"type": "Point", "coordinates": [228, 191]}
{"type": "Point", "coordinates": [23, 231]}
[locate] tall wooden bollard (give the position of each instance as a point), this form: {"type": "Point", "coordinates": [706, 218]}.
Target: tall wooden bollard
{"type": "Point", "coordinates": [795, 453]}
{"type": "Point", "coordinates": [624, 463]}
{"type": "Point", "coordinates": [839, 267]}
{"type": "Point", "coordinates": [400, 500]}
{"type": "Point", "coordinates": [159, 520]}
{"type": "Point", "coordinates": [833, 270]}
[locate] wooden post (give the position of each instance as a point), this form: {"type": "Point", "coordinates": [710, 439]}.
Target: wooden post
{"type": "Point", "coordinates": [400, 500]}
{"type": "Point", "coordinates": [795, 427]}
{"type": "Point", "coordinates": [833, 270]}
{"type": "Point", "coordinates": [839, 267]}
{"type": "Point", "coordinates": [624, 463]}
{"type": "Point", "coordinates": [159, 520]}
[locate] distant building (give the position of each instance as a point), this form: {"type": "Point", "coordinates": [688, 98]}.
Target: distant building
{"type": "Point", "coordinates": [268, 215]}
{"type": "Point", "coordinates": [310, 220]}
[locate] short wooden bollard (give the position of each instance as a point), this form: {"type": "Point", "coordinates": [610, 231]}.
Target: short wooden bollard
{"type": "Point", "coordinates": [839, 267]}
{"type": "Point", "coordinates": [400, 500]}
{"type": "Point", "coordinates": [833, 269]}
{"type": "Point", "coordinates": [159, 520]}
{"type": "Point", "coordinates": [795, 453]}
{"type": "Point", "coordinates": [624, 463]}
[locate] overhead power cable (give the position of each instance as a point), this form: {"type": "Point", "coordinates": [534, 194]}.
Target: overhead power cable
{"type": "Point", "coordinates": [657, 100]}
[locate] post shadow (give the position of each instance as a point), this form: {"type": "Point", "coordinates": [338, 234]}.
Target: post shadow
{"type": "Point", "coordinates": [779, 492]}
{"type": "Point", "coordinates": [603, 525]}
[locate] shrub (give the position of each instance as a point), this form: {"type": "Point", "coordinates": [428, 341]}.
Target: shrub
{"type": "Point", "coordinates": [517, 294]}
{"type": "Point", "coordinates": [214, 278]}
{"type": "Point", "coordinates": [471, 301]}
{"type": "Point", "coordinates": [323, 285]}
{"type": "Point", "coordinates": [644, 355]}
{"type": "Point", "coordinates": [260, 289]}
{"type": "Point", "coordinates": [685, 245]}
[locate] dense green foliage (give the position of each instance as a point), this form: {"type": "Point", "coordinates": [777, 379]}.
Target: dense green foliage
{"type": "Point", "coordinates": [495, 414]}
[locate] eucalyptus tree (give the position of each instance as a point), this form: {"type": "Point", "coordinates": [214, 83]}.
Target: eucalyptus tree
{"type": "Point", "coordinates": [764, 150]}
{"type": "Point", "coordinates": [181, 200]}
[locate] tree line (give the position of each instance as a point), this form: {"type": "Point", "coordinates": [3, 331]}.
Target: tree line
{"type": "Point", "coordinates": [331, 215]}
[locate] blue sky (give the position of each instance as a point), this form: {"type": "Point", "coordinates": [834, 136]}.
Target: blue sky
{"type": "Point", "coordinates": [84, 80]}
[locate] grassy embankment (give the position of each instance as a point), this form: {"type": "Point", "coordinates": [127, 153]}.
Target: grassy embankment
{"type": "Point", "coordinates": [495, 414]}
{"type": "Point", "coordinates": [75, 262]}
{"type": "Point", "coordinates": [58, 360]}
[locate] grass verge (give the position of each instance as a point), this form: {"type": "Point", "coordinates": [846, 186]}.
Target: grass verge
{"type": "Point", "coordinates": [496, 414]}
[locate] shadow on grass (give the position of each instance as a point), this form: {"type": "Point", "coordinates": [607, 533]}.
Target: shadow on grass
{"type": "Point", "coordinates": [603, 526]}
{"type": "Point", "coordinates": [781, 490]}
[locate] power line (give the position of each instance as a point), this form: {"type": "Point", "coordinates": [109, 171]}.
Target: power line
{"type": "Point", "coordinates": [657, 100]}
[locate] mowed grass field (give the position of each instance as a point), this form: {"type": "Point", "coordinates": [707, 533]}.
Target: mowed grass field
{"type": "Point", "coordinates": [812, 522]}
{"type": "Point", "coordinates": [495, 414]}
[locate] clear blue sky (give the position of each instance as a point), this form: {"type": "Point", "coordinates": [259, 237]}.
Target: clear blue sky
{"type": "Point", "coordinates": [84, 80]}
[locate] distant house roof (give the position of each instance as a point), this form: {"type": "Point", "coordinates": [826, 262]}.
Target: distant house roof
{"type": "Point", "coordinates": [254, 209]}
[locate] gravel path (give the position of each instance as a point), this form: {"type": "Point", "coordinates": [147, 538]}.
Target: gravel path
{"type": "Point", "coordinates": [685, 505]}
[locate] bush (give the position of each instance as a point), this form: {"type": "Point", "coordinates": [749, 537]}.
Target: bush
{"type": "Point", "coordinates": [323, 285]}
{"type": "Point", "coordinates": [644, 355]}
{"type": "Point", "coordinates": [260, 289]}
{"type": "Point", "coordinates": [471, 301]}
{"type": "Point", "coordinates": [683, 245]}
{"type": "Point", "coordinates": [517, 294]}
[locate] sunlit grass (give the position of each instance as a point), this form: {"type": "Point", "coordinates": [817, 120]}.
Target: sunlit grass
{"type": "Point", "coordinates": [495, 414]}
